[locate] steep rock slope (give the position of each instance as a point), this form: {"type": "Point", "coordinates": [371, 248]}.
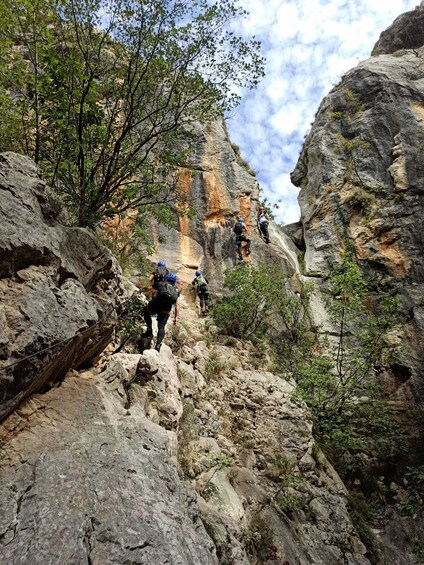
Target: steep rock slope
{"type": "Point", "coordinates": [89, 467]}
{"type": "Point", "coordinates": [361, 175]}
{"type": "Point", "coordinates": [59, 287]}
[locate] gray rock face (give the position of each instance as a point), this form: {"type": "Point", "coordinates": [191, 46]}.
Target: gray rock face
{"type": "Point", "coordinates": [406, 32]}
{"type": "Point", "coordinates": [268, 494]}
{"type": "Point", "coordinates": [88, 469]}
{"type": "Point", "coordinates": [362, 178]}
{"type": "Point", "coordinates": [58, 287]}
{"type": "Point", "coordinates": [98, 486]}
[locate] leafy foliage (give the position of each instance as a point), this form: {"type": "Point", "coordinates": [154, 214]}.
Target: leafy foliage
{"type": "Point", "coordinates": [334, 376]}
{"type": "Point", "coordinates": [352, 421]}
{"type": "Point", "coordinates": [103, 95]}
{"type": "Point", "coordinates": [413, 502]}
{"type": "Point", "coordinates": [260, 307]}
{"type": "Point", "coordinates": [134, 319]}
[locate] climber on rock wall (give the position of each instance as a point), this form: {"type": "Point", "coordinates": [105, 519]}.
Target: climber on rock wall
{"type": "Point", "coordinates": [159, 275]}
{"type": "Point", "coordinates": [165, 297]}
{"type": "Point", "coordinates": [200, 283]}
{"type": "Point", "coordinates": [240, 230]}
{"type": "Point", "coordinates": [263, 223]}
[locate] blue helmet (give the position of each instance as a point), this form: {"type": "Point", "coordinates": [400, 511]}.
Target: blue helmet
{"type": "Point", "coordinates": [240, 219]}
{"type": "Point", "coordinates": [198, 273]}
{"type": "Point", "coordinates": [171, 277]}
{"type": "Point", "coordinates": [161, 264]}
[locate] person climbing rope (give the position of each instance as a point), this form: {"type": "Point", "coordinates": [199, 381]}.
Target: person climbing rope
{"type": "Point", "coordinates": [158, 275]}
{"type": "Point", "coordinates": [240, 230]}
{"type": "Point", "coordinates": [165, 297]}
{"type": "Point", "coordinates": [263, 223]}
{"type": "Point", "coordinates": [200, 283]}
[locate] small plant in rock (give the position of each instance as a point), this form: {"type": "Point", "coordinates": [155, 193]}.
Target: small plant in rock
{"type": "Point", "coordinates": [230, 341]}
{"type": "Point", "coordinates": [217, 463]}
{"type": "Point", "coordinates": [283, 470]}
{"type": "Point", "coordinates": [287, 502]}
{"type": "Point", "coordinates": [215, 365]}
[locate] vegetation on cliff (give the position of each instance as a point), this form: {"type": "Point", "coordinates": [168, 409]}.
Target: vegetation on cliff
{"type": "Point", "coordinates": [334, 373]}
{"type": "Point", "coordinates": [102, 94]}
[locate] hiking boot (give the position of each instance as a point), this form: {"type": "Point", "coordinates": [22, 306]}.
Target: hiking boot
{"type": "Point", "coordinates": [248, 252]}
{"type": "Point", "coordinates": [147, 333]}
{"type": "Point", "coordinates": [158, 346]}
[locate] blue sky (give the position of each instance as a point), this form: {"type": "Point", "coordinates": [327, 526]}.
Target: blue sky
{"type": "Point", "coordinates": [308, 45]}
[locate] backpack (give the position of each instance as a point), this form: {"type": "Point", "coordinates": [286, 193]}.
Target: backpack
{"type": "Point", "coordinates": [238, 228]}
{"type": "Point", "coordinates": [159, 276]}
{"type": "Point", "coordinates": [201, 284]}
{"type": "Point", "coordinates": [167, 295]}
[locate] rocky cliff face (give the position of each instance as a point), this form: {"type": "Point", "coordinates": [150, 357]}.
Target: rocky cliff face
{"type": "Point", "coordinates": [220, 187]}
{"type": "Point", "coordinates": [362, 181]}
{"type": "Point", "coordinates": [200, 454]}
{"type": "Point", "coordinates": [89, 469]}
{"type": "Point", "coordinates": [406, 32]}
{"type": "Point", "coordinates": [59, 288]}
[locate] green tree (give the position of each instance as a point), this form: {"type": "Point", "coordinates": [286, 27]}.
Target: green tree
{"type": "Point", "coordinates": [106, 93]}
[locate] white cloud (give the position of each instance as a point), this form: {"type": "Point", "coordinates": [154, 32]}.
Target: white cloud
{"type": "Point", "coordinates": [308, 45]}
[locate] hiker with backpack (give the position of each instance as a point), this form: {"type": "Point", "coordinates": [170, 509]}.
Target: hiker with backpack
{"type": "Point", "coordinates": [263, 223]}
{"type": "Point", "coordinates": [165, 297]}
{"type": "Point", "coordinates": [200, 283]}
{"type": "Point", "coordinates": [240, 230]}
{"type": "Point", "coordinates": [159, 275]}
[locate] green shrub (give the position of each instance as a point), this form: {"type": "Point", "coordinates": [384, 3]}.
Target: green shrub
{"type": "Point", "coordinates": [415, 491]}
{"type": "Point", "coordinates": [352, 422]}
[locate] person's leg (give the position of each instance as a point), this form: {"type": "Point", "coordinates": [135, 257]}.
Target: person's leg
{"type": "Point", "coordinates": [238, 243]}
{"type": "Point", "coordinates": [206, 298]}
{"type": "Point", "coordinates": [202, 301]}
{"type": "Point", "coordinates": [148, 320]}
{"type": "Point", "coordinates": [247, 248]}
{"type": "Point", "coordinates": [265, 231]}
{"type": "Point", "coordinates": [162, 319]}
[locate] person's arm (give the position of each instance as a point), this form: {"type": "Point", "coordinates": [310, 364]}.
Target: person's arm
{"type": "Point", "coordinates": [175, 312]}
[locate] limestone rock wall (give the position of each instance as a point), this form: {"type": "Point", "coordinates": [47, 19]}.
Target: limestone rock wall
{"type": "Point", "coordinates": [220, 187]}
{"type": "Point", "coordinates": [361, 175]}
{"type": "Point", "coordinates": [89, 468]}
{"type": "Point", "coordinates": [59, 288]}
{"type": "Point", "coordinates": [85, 480]}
